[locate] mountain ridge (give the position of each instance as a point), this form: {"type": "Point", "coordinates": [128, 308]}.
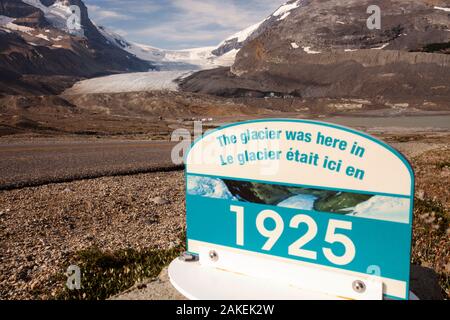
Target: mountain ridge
{"type": "Point", "coordinates": [34, 41]}
{"type": "Point", "coordinates": [324, 49]}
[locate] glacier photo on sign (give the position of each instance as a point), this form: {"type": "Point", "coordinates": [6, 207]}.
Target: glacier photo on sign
{"type": "Point", "coordinates": [379, 207]}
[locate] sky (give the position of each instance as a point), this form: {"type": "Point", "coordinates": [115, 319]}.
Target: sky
{"type": "Point", "coordinates": [179, 24]}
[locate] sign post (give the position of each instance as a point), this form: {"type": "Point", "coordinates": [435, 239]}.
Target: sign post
{"type": "Point", "coordinates": [295, 209]}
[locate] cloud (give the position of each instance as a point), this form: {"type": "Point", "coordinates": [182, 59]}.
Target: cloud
{"type": "Point", "coordinates": [174, 23]}
{"type": "Point", "coordinates": [207, 22]}
{"type": "Point", "coordinates": [100, 14]}
{"type": "Point", "coordinates": [223, 13]}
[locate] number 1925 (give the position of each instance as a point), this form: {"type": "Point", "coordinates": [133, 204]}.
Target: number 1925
{"type": "Point", "coordinates": [296, 248]}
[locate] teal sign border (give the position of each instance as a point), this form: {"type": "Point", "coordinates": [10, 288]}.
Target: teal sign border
{"type": "Point", "coordinates": [329, 125]}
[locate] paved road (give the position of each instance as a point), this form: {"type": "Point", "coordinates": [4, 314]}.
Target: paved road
{"type": "Point", "coordinates": [34, 163]}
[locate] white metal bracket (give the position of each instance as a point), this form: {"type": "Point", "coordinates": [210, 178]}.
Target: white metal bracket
{"type": "Point", "coordinates": [298, 276]}
{"type": "Point", "coordinates": [225, 273]}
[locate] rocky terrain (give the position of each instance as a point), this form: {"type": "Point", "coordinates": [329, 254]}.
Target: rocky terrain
{"type": "Point", "coordinates": [324, 49]}
{"type": "Point", "coordinates": [153, 114]}
{"type": "Point", "coordinates": [41, 228]}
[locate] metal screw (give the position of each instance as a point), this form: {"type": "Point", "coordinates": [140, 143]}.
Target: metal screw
{"type": "Point", "coordinates": [188, 257]}
{"type": "Point", "coordinates": [359, 286]}
{"type": "Point", "coordinates": [213, 255]}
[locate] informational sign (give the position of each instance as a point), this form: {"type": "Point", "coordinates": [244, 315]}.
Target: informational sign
{"type": "Point", "coordinates": [311, 195]}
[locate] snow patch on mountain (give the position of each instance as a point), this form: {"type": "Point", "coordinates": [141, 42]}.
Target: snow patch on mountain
{"type": "Point", "coordinates": [7, 24]}
{"type": "Point", "coordinates": [309, 51]}
{"type": "Point", "coordinates": [42, 36]}
{"type": "Point", "coordinates": [442, 8]}
{"type": "Point", "coordinates": [57, 14]}
{"type": "Point", "coordinates": [284, 16]}
{"type": "Point", "coordinates": [381, 47]}
{"type": "Point", "coordinates": [285, 9]}
{"type": "Point", "coordinates": [243, 35]}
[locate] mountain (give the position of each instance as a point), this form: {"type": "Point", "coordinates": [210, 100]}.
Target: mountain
{"type": "Point", "coordinates": [39, 54]}
{"type": "Point", "coordinates": [173, 65]}
{"type": "Point", "coordinates": [315, 49]}
{"type": "Point", "coordinates": [306, 48]}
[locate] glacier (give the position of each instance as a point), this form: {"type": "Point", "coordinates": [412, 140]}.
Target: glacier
{"type": "Point", "coordinates": [208, 187]}
{"type": "Point", "coordinates": [129, 82]}
{"type": "Point", "coordinates": [301, 201]}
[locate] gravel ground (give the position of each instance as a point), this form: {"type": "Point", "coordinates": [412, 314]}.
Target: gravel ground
{"type": "Point", "coordinates": [41, 227]}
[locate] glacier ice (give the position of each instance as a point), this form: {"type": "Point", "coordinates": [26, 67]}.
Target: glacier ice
{"type": "Point", "coordinates": [301, 201]}
{"type": "Point", "coordinates": [208, 187]}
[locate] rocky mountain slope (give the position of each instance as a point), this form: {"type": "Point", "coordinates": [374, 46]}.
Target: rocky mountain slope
{"type": "Point", "coordinates": [36, 45]}
{"type": "Point", "coordinates": [241, 38]}
{"type": "Point", "coordinates": [312, 48]}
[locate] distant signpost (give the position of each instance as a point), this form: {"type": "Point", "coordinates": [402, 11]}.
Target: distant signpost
{"type": "Point", "coordinates": [313, 206]}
